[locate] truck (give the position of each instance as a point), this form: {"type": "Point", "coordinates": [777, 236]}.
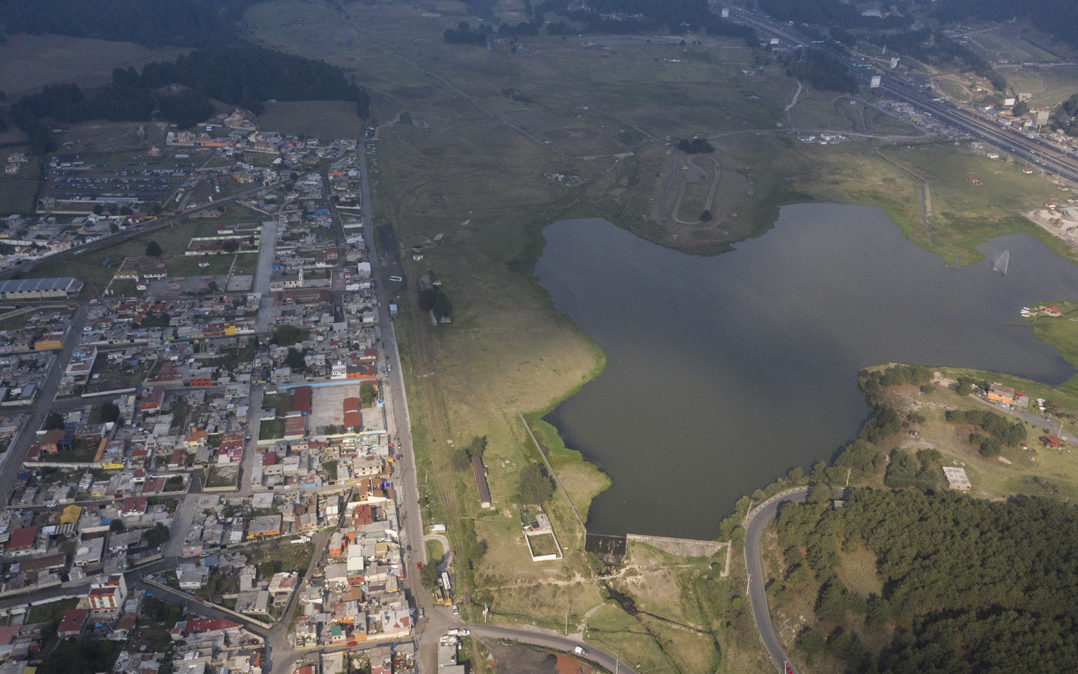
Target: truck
{"type": "Point", "coordinates": [580, 650]}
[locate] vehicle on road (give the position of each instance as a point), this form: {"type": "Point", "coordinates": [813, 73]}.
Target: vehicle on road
{"type": "Point", "coordinates": [458, 632]}
{"type": "Point", "coordinates": [395, 278]}
{"type": "Point", "coordinates": [580, 650]}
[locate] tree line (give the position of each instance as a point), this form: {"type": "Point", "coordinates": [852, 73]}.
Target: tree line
{"type": "Point", "coordinates": [183, 23]}
{"type": "Point", "coordinates": [244, 76]}
{"type": "Point", "coordinates": [822, 70]}
{"type": "Point", "coordinates": [605, 16]}
{"type": "Point", "coordinates": [996, 431]}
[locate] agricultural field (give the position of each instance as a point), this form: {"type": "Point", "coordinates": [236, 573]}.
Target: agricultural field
{"type": "Point", "coordinates": [28, 62]}
{"type": "Point", "coordinates": [320, 119]}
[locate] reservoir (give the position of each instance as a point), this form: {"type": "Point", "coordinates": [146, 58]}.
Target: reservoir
{"type": "Point", "coordinates": [724, 372]}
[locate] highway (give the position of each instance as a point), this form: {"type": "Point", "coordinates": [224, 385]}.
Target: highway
{"type": "Point", "coordinates": [755, 523]}
{"type": "Point", "coordinates": [1033, 150]}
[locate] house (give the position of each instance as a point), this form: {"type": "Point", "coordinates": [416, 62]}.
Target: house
{"type": "Point", "coordinates": [108, 598]}
{"type": "Point", "coordinates": [73, 624]}
{"type": "Point", "coordinates": [134, 506]}
{"type": "Point", "coordinates": [998, 393]}
{"type": "Point", "coordinates": [264, 525]}
{"type": "Point", "coordinates": [56, 440]}
{"type": "Point", "coordinates": [191, 576]}
{"type": "Point", "coordinates": [89, 551]}
{"type": "Point", "coordinates": [1048, 441]}
{"type": "Point", "coordinates": [23, 541]}
{"type": "Point", "coordinates": [481, 482]}
{"type": "Point", "coordinates": [282, 584]}
{"type": "Point", "coordinates": [336, 574]}
{"type": "Point", "coordinates": [177, 460]}
{"type": "Point", "coordinates": [336, 544]}
{"type": "Point", "coordinates": [294, 427]}
{"type": "Point", "coordinates": [195, 438]}
{"type": "Point", "coordinates": [206, 628]}
{"type": "Point", "coordinates": [151, 401]}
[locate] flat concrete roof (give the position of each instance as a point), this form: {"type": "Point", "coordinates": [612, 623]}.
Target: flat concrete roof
{"type": "Point", "coordinates": [66, 283]}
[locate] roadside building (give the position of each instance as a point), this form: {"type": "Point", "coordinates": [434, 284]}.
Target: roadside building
{"type": "Point", "coordinates": [480, 472]}
{"type": "Point", "coordinates": [264, 525]}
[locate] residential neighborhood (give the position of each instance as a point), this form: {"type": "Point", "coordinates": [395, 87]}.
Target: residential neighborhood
{"type": "Point", "coordinates": [199, 457]}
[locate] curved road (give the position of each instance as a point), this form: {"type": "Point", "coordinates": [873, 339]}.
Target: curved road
{"type": "Point", "coordinates": [755, 522]}
{"type": "Point", "coordinates": [552, 641]}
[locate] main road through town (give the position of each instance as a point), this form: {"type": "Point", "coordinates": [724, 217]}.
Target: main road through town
{"type": "Point", "coordinates": [755, 522]}
{"type": "Point", "coordinates": [46, 394]}
{"type": "Point", "coordinates": [439, 619]}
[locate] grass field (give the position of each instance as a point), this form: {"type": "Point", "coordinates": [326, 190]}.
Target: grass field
{"type": "Point", "coordinates": [323, 119]}
{"type": "Point", "coordinates": [29, 62]}
{"type": "Point", "coordinates": [17, 191]}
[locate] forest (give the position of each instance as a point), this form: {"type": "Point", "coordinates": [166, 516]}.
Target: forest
{"type": "Point", "coordinates": [1065, 116]}
{"type": "Point", "coordinates": [244, 76]}
{"type": "Point", "coordinates": [964, 585]}
{"type": "Point", "coordinates": [183, 23]}
{"type": "Point", "coordinates": [822, 70]}
{"type": "Point", "coordinates": [638, 16]}
{"type": "Point", "coordinates": [968, 585]}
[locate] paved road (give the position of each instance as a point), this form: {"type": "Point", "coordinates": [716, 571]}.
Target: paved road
{"type": "Point", "coordinates": [1050, 426]}
{"type": "Point", "coordinates": [399, 426]}
{"type": "Point", "coordinates": [550, 640]}
{"type": "Point", "coordinates": [16, 453]}
{"type": "Point", "coordinates": [1035, 150]}
{"type": "Point", "coordinates": [755, 523]}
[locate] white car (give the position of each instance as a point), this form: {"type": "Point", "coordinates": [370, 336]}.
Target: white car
{"type": "Point", "coordinates": [455, 632]}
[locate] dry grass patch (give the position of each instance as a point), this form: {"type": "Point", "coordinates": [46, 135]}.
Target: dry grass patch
{"type": "Point", "coordinates": [857, 569]}
{"type": "Point", "coordinates": [29, 62]}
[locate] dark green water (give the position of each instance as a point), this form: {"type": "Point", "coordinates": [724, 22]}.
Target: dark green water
{"type": "Point", "coordinates": [724, 372]}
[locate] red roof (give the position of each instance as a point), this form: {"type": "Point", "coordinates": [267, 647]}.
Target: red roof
{"type": "Point", "coordinates": [302, 402]}
{"type": "Point", "coordinates": [269, 459]}
{"type": "Point", "coordinates": [351, 405]}
{"type": "Point", "coordinates": [200, 625]}
{"type": "Point", "coordinates": [353, 419]}
{"type": "Point", "coordinates": [73, 622]}
{"type": "Point", "coordinates": [362, 515]}
{"type": "Point", "coordinates": [22, 539]}
{"type": "Point", "coordinates": [134, 504]}
{"type": "Point", "coordinates": [294, 425]}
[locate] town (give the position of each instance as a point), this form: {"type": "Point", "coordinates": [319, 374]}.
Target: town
{"type": "Point", "coordinates": [201, 455]}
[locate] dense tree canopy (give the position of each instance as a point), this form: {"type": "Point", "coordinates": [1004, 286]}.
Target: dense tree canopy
{"type": "Point", "coordinates": [983, 584]}
{"type": "Point", "coordinates": [822, 70]}
{"type": "Point", "coordinates": [534, 484]}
